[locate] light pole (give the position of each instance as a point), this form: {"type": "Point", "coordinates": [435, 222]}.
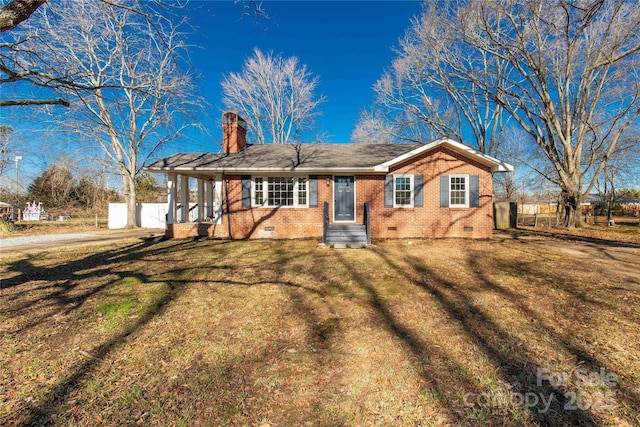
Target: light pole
{"type": "Point", "coordinates": [18, 158]}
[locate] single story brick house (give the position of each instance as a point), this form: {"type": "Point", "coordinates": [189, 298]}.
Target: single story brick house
{"type": "Point", "coordinates": [340, 193]}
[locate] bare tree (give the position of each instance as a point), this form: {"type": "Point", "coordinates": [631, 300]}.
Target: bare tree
{"type": "Point", "coordinates": [137, 97]}
{"type": "Point", "coordinates": [566, 72]}
{"type": "Point", "coordinates": [13, 55]}
{"type": "Point", "coordinates": [20, 53]}
{"type": "Point", "coordinates": [16, 11]}
{"type": "Point", "coordinates": [55, 186]}
{"type": "Point", "coordinates": [19, 56]}
{"type": "Point", "coordinates": [371, 128]}
{"type": "Point", "coordinates": [425, 98]}
{"type": "Point", "coordinates": [276, 96]}
{"type": "Point", "coordinates": [572, 83]}
{"type": "Point", "coordinates": [508, 185]}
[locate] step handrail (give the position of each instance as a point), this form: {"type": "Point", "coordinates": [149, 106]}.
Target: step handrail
{"type": "Point", "coordinates": [367, 222]}
{"type": "Point", "coordinates": [325, 222]}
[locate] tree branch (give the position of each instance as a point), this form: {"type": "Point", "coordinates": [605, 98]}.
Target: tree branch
{"type": "Point", "coordinates": [23, 102]}
{"type": "Point", "coordinates": [16, 11]}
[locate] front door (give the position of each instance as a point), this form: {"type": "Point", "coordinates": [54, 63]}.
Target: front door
{"type": "Point", "coordinates": [344, 198]}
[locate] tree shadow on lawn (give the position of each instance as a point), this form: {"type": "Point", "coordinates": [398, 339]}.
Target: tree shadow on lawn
{"type": "Point", "coordinates": [592, 249]}
{"type": "Point", "coordinates": [301, 357]}
{"type": "Point", "coordinates": [94, 274]}
{"type": "Point", "coordinates": [62, 282]}
{"type": "Point", "coordinates": [312, 306]}
{"type": "Point", "coordinates": [448, 380]}
{"type": "Point", "coordinates": [530, 272]}
{"type": "Point", "coordinates": [299, 345]}
{"type": "Point", "coordinates": [311, 302]}
{"type": "Point", "coordinates": [517, 362]}
{"type": "Point", "coordinates": [109, 267]}
{"type": "Point", "coordinates": [578, 311]}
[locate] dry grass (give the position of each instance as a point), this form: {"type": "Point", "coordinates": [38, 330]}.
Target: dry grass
{"type": "Point", "coordinates": [287, 333]}
{"type": "Point", "coordinates": [72, 225]}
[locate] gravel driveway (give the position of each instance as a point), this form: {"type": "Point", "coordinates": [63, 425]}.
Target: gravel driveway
{"type": "Point", "coordinates": [30, 240]}
{"type": "Point", "coordinates": [16, 246]}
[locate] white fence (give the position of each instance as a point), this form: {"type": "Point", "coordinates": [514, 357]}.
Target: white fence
{"type": "Point", "coordinates": [148, 215]}
{"type": "Point", "coordinates": [153, 215]}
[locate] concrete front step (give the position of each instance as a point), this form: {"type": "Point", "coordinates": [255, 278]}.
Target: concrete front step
{"type": "Point", "coordinates": [355, 234]}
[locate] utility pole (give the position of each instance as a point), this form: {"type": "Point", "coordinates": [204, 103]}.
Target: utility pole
{"type": "Point", "coordinates": [18, 158]}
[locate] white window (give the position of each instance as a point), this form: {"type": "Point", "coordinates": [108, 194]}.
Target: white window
{"type": "Point", "coordinates": [258, 186]}
{"type": "Point", "coordinates": [302, 191]}
{"type": "Point", "coordinates": [459, 191]}
{"type": "Point", "coordinates": [280, 191]}
{"type": "Point", "coordinates": [402, 191]}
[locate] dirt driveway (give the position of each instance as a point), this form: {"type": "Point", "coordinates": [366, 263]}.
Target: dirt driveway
{"type": "Point", "coordinates": [613, 259]}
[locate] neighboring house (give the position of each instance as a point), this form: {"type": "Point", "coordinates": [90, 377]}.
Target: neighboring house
{"type": "Point", "coordinates": [9, 212]}
{"type": "Point", "coordinates": [329, 191]}
{"type": "Point", "coordinates": [627, 205]}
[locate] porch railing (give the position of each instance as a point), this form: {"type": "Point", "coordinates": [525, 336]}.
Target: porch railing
{"type": "Point", "coordinates": [179, 213]}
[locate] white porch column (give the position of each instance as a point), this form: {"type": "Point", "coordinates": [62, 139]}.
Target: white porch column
{"type": "Point", "coordinates": [217, 200]}
{"type": "Point", "coordinates": [184, 198]}
{"type": "Point", "coordinates": [200, 199]}
{"type": "Point", "coordinates": [209, 197]}
{"type": "Point", "coordinates": [171, 197]}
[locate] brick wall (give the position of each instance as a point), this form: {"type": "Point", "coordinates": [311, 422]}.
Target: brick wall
{"type": "Point", "coordinates": [428, 221]}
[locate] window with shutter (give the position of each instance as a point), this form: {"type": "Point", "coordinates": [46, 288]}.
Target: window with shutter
{"type": "Point", "coordinates": [402, 191]}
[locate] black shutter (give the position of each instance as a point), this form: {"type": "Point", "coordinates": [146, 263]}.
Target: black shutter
{"type": "Point", "coordinates": [313, 191]}
{"type": "Point", "coordinates": [444, 191]}
{"type": "Point", "coordinates": [388, 191]}
{"type": "Point", "coordinates": [246, 191]}
{"type": "Point", "coordinates": [418, 197]}
{"type": "Point", "coordinates": [474, 191]}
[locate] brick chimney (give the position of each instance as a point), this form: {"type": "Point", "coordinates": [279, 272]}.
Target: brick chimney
{"type": "Point", "coordinates": [234, 130]}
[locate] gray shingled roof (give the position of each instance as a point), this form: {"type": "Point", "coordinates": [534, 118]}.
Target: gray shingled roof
{"type": "Point", "coordinates": [303, 157]}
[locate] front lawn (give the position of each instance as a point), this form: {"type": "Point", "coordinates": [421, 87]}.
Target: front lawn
{"type": "Point", "coordinates": [206, 332]}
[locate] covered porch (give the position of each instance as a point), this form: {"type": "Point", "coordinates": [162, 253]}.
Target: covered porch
{"type": "Point", "coordinates": [184, 208]}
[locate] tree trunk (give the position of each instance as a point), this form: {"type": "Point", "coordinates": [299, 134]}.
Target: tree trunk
{"type": "Point", "coordinates": [16, 11]}
{"type": "Point", "coordinates": [611, 199]}
{"type": "Point", "coordinates": [130, 199]}
{"type": "Point", "coordinates": [610, 204]}
{"type": "Point", "coordinates": [571, 204]}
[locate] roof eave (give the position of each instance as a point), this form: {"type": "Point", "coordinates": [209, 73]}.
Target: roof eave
{"type": "Point", "coordinates": [502, 167]}
{"type": "Point", "coordinates": [487, 160]}
{"type": "Point", "coordinates": [316, 170]}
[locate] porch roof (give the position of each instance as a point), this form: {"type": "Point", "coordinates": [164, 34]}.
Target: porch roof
{"type": "Point", "coordinates": [314, 158]}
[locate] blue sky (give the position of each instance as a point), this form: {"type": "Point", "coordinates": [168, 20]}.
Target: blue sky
{"type": "Point", "coordinates": [347, 44]}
